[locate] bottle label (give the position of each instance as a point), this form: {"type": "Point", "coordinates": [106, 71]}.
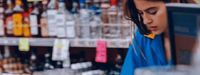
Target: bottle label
{"type": "Point", "coordinates": [61, 32]}
{"type": "Point", "coordinates": [51, 14]}
{"type": "Point", "coordinates": [60, 22]}
{"type": "Point", "coordinates": [44, 28]}
{"type": "Point", "coordinates": [70, 29]}
{"type": "Point", "coordinates": [60, 49]}
{"type": "Point", "coordinates": [34, 24]}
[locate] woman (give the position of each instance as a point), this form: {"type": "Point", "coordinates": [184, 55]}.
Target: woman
{"type": "Point", "coordinates": [150, 45]}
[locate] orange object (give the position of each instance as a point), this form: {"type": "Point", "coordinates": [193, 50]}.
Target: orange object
{"type": "Point", "coordinates": [152, 36]}
{"type": "Point", "coordinates": [26, 25]}
{"type": "Point", "coordinates": [18, 2]}
{"type": "Point", "coordinates": [17, 24]}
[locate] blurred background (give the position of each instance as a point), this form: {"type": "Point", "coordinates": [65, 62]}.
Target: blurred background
{"type": "Point", "coordinates": [64, 37]}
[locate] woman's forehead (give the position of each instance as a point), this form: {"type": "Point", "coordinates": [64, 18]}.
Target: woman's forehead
{"type": "Point", "coordinates": [145, 4]}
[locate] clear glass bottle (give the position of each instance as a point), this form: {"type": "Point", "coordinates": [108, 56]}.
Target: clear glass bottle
{"type": "Point", "coordinates": [8, 18]}
{"type": "Point", "coordinates": [61, 20]}
{"type": "Point", "coordinates": [84, 20]}
{"type": "Point", "coordinates": [34, 20]}
{"type": "Point", "coordinates": [51, 16]}
{"type": "Point", "coordinates": [95, 26]}
{"type": "Point", "coordinates": [2, 29]}
{"type": "Point", "coordinates": [114, 22]}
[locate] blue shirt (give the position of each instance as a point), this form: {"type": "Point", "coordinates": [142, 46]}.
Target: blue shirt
{"type": "Point", "coordinates": [144, 52]}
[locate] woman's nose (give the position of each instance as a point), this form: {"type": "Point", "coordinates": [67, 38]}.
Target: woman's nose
{"type": "Point", "coordinates": [147, 19]}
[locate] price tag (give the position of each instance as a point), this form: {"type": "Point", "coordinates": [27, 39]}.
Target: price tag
{"type": "Point", "coordinates": [101, 51]}
{"type": "Point", "coordinates": [60, 49]}
{"type": "Point", "coordinates": [24, 44]}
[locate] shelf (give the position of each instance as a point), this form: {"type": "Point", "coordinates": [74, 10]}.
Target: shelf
{"type": "Point", "coordinates": [111, 43]}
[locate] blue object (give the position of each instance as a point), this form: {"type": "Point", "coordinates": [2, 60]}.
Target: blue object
{"type": "Point", "coordinates": [153, 50]}
{"type": "Point", "coordinates": [82, 1]}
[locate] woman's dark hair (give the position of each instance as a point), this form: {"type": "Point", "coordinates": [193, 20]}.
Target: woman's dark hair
{"type": "Point", "coordinates": [133, 15]}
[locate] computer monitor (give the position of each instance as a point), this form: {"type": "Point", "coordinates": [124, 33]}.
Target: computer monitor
{"type": "Point", "coordinates": [184, 22]}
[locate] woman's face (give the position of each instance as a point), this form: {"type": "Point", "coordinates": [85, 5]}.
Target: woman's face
{"type": "Point", "coordinates": [154, 15]}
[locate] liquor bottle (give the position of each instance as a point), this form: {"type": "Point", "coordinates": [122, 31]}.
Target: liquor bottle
{"type": "Point", "coordinates": [95, 25]}
{"type": "Point", "coordinates": [84, 20]}
{"type": "Point", "coordinates": [114, 22]}
{"type": "Point", "coordinates": [2, 29]}
{"type": "Point", "coordinates": [75, 29]}
{"type": "Point", "coordinates": [61, 19]}
{"type": "Point", "coordinates": [43, 20]}
{"type": "Point", "coordinates": [71, 22]}
{"type": "Point", "coordinates": [33, 59]}
{"type": "Point", "coordinates": [8, 18]}
{"type": "Point", "coordinates": [113, 12]}
{"type": "Point", "coordinates": [26, 25]}
{"type": "Point", "coordinates": [51, 16]}
{"type": "Point", "coordinates": [34, 20]}
{"type": "Point", "coordinates": [104, 6]}
{"type": "Point", "coordinates": [48, 65]}
{"type": "Point", "coordinates": [6, 52]}
{"type": "Point", "coordinates": [17, 18]}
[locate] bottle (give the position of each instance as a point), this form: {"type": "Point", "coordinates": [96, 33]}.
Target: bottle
{"type": "Point", "coordinates": [8, 18]}
{"type": "Point", "coordinates": [114, 22]}
{"type": "Point", "coordinates": [60, 20]}
{"type": "Point", "coordinates": [95, 26]}
{"type": "Point", "coordinates": [26, 20]}
{"type": "Point", "coordinates": [104, 7]}
{"type": "Point", "coordinates": [34, 20]}
{"type": "Point", "coordinates": [113, 12]}
{"type": "Point", "coordinates": [84, 20]}
{"type": "Point", "coordinates": [2, 31]}
{"type": "Point", "coordinates": [33, 59]}
{"type": "Point", "coordinates": [26, 25]}
{"type": "Point", "coordinates": [43, 20]}
{"type": "Point", "coordinates": [6, 52]}
{"type": "Point", "coordinates": [51, 16]}
{"type": "Point", "coordinates": [17, 18]}
{"type": "Point", "coordinates": [74, 31]}
{"type": "Point", "coordinates": [48, 64]}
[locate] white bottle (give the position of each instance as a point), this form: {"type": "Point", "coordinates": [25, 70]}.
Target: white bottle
{"type": "Point", "coordinates": [34, 20]}
{"type": "Point", "coordinates": [70, 26]}
{"type": "Point", "coordinates": [2, 32]}
{"type": "Point", "coordinates": [60, 20]}
{"type": "Point", "coordinates": [51, 16]}
{"type": "Point", "coordinates": [95, 27]}
{"type": "Point", "coordinates": [84, 23]}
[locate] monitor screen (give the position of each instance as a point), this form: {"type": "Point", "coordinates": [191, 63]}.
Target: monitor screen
{"type": "Point", "coordinates": [184, 22]}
